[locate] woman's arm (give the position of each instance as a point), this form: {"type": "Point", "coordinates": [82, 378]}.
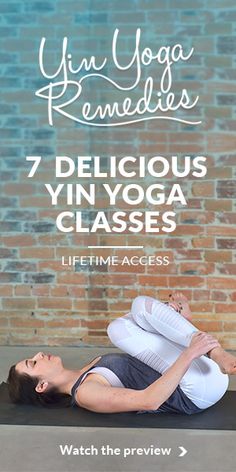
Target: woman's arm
{"type": "Point", "coordinates": [97, 397]}
{"type": "Point", "coordinates": [159, 391]}
{"type": "Point", "coordinates": [94, 396]}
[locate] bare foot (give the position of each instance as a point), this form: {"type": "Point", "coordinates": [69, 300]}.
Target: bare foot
{"type": "Point", "coordinates": [225, 360]}
{"type": "Point", "coordinates": [180, 303]}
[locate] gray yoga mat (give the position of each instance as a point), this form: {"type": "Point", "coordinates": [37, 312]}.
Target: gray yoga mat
{"type": "Point", "coordinates": [221, 416]}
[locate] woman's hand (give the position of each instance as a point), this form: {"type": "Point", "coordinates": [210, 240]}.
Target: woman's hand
{"type": "Point", "coordinates": [201, 343]}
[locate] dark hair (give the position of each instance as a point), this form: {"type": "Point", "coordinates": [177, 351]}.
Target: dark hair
{"type": "Point", "coordinates": [21, 388]}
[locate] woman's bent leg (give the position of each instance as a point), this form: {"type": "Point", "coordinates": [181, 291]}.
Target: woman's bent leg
{"type": "Point", "coordinates": [155, 316]}
{"type": "Point", "coordinates": [203, 382]}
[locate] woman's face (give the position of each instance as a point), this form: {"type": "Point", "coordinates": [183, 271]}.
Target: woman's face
{"type": "Point", "coordinates": [41, 365]}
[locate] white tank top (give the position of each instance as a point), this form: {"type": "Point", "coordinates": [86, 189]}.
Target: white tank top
{"type": "Point", "coordinates": [107, 373]}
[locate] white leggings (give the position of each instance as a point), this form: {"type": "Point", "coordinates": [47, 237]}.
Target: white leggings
{"type": "Point", "coordinates": [156, 334]}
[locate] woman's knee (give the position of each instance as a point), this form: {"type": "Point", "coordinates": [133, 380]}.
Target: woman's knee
{"type": "Point", "coordinates": [208, 388]}
{"type": "Point", "coordinates": [118, 329]}
{"type": "Point", "coordinates": [138, 304]}
{"type": "Point", "coordinates": [143, 304]}
{"type": "Point", "coordinates": [112, 329]}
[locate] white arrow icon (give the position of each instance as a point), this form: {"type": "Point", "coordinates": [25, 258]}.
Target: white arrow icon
{"type": "Point", "coordinates": [183, 451]}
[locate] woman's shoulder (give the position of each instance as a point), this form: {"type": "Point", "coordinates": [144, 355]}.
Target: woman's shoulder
{"type": "Point", "coordinates": [108, 357]}
{"type": "Point", "coordinates": [113, 356]}
{"type": "Point", "coordinates": [94, 377]}
{"type": "Point", "coordinates": [90, 387]}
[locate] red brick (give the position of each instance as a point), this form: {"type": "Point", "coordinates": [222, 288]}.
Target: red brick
{"type": "Point", "coordinates": [188, 281]}
{"type": "Point", "coordinates": [203, 189]}
{"type": "Point", "coordinates": [19, 240]}
{"type": "Point", "coordinates": [226, 243]}
{"type": "Point", "coordinates": [129, 293]}
{"type": "Point", "coordinates": [26, 323]}
{"type": "Point", "coordinates": [124, 269]}
{"type": "Point", "coordinates": [153, 280]}
{"type": "Point", "coordinates": [100, 340]}
{"type": "Point", "coordinates": [18, 339]}
{"type": "Point", "coordinates": [233, 296]}
{"type": "Point", "coordinates": [195, 203]}
{"type": "Point", "coordinates": [37, 253]}
{"type": "Point", "coordinates": [50, 239]}
{"type": "Point", "coordinates": [174, 148]}
{"type": "Point", "coordinates": [203, 242]}
{"type": "Point", "coordinates": [230, 326]}
{"type": "Point", "coordinates": [93, 324]}
{"type": "Point", "coordinates": [18, 189]}
{"type": "Point", "coordinates": [226, 283]}
{"type": "Point", "coordinates": [201, 295]}
{"type": "Point", "coordinates": [40, 290]}
{"type": "Point", "coordinates": [72, 278]}
{"type": "Point", "coordinates": [113, 292]}
{"type": "Point", "coordinates": [219, 142]}
{"type": "Point", "coordinates": [221, 230]}
{"type": "Point", "coordinates": [197, 268]}
{"type": "Point", "coordinates": [226, 308]}
{"type": "Point", "coordinates": [60, 304]}
{"type": "Point", "coordinates": [188, 230]}
{"type": "Point", "coordinates": [19, 303]}
{"type": "Point", "coordinates": [228, 218]}
{"type": "Point", "coordinates": [199, 217]}
{"type": "Point", "coordinates": [219, 172]}
{"type": "Point", "coordinates": [218, 205]}
{"type": "Point", "coordinates": [55, 266]}
{"type": "Point", "coordinates": [72, 251]}
{"type": "Point", "coordinates": [152, 148]}
{"type": "Point", "coordinates": [90, 305]}
{"type": "Point", "coordinates": [228, 341]}
{"type": "Point", "coordinates": [65, 323]}
{"type": "Point", "coordinates": [95, 292]}
{"type": "Point", "coordinates": [59, 291]}
{"type": "Point", "coordinates": [171, 269]}
{"type": "Point", "coordinates": [96, 333]}
{"type": "Point", "coordinates": [6, 290]}
{"type": "Point", "coordinates": [122, 306]}
{"type": "Point", "coordinates": [216, 295]}
{"type": "Point", "coordinates": [218, 256]}
{"type": "Point", "coordinates": [4, 321]}
{"type": "Point", "coordinates": [191, 254]}
{"type": "Point", "coordinates": [227, 269]}
{"type": "Point", "coordinates": [22, 290]}
{"type": "Point", "coordinates": [34, 202]}
{"type": "Point", "coordinates": [202, 307]}
{"type": "Point", "coordinates": [118, 279]}
{"type": "Point", "coordinates": [209, 326]}
{"type": "Point", "coordinates": [176, 243]}
{"type": "Point", "coordinates": [73, 291]}
{"type": "Point", "coordinates": [163, 294]}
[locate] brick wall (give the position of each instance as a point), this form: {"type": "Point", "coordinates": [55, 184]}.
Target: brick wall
{"type": "Point", "coordinates": [45, 303]}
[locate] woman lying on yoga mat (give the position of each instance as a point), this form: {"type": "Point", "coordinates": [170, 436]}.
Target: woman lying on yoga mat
{"type": "Point", "coordinates": [164, 367]}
